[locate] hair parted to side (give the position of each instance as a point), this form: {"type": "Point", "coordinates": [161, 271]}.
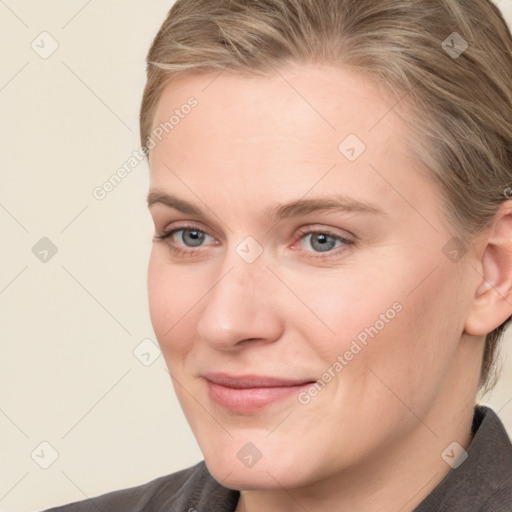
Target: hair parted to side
{"type": "Point", "coordinates": [460, 121]}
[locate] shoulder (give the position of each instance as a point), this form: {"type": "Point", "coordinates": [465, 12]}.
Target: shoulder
{"type": "Point", "coordinates": [184, 490]}
{"type": "Point", "coordinates": [483, 481]}
{"type": "Point", "coordinates": [495, 468]}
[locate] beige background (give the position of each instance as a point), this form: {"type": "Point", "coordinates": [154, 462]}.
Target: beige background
{"type": "Point", "coordinates": [69, 326]}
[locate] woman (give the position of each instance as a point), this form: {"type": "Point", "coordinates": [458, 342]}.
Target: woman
{"type": "Point", "coordinates": [332, 263]}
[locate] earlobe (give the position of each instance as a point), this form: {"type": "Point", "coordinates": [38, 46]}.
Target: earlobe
{"type": "Point", "coordinates": [492, 302]}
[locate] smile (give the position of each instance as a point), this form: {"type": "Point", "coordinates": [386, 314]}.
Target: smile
{"type": "Point", "coordinates": [247, 394]}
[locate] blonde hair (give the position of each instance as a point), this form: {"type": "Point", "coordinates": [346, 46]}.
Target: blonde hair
{"type": "Point", "coordinates": [461, 98]}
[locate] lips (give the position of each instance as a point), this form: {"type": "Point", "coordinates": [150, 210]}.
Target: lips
{"type": "Point", "coordinates": [248, 393]}
{"type": "Point", "coordinates": [252, 381]}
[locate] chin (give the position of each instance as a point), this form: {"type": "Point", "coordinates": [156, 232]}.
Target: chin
{"type": "Point", "coordinates": [230, 469]}
{"type": "Point", "coordinates": [261, 476]}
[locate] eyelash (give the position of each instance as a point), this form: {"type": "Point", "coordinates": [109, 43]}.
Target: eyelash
{"type": "Point", "coordinates": [302, 235]}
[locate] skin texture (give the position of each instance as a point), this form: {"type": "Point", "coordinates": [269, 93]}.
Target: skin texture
{"type": "Point", "coordinates": [372, 438]}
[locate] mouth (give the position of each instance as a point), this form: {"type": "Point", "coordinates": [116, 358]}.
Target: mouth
{"type": "Point", "coordinates": [249, 393]}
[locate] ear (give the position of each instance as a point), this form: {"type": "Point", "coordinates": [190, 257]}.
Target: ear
{"type": "Point", "coordinates": [492, 304]}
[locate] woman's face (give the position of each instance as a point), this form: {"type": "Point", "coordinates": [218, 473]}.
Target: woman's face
{"type": "Point", "coordinates": [260, 281]}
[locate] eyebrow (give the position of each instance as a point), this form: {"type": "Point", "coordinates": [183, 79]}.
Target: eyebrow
{"type": "Point", "coordinates": [297, 208]}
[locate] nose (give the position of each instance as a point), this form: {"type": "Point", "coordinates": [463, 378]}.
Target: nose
{"type": "Point", "coordinates": [242, 305]}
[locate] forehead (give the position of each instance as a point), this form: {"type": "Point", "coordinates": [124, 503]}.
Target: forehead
{"type": "Point", "coordinates": [282, 135]}
{"type": "Point", "coordinates": [298, 114]}
{"type": "Point", "coordinates": [311, 105]}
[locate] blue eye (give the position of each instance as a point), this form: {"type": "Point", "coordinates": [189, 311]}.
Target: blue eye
{"type": "Point", "coordinates": [324, 243]}
{"type": "Point", "coordinates": [188, 235]}
{"type": "Point", "coordinates": [195, 237]}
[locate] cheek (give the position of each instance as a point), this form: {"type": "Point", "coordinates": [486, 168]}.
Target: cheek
{"type": "Point", "coordinates": [412, 355]}
{"type": "Point", "coordinates": [158, 295]}
{"type": "Point", "coordinates": [403, 327]}
{"type": "Point", "coordinates": [344, 305]}
{"type": "Point", "coordinates": [171, 296]}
